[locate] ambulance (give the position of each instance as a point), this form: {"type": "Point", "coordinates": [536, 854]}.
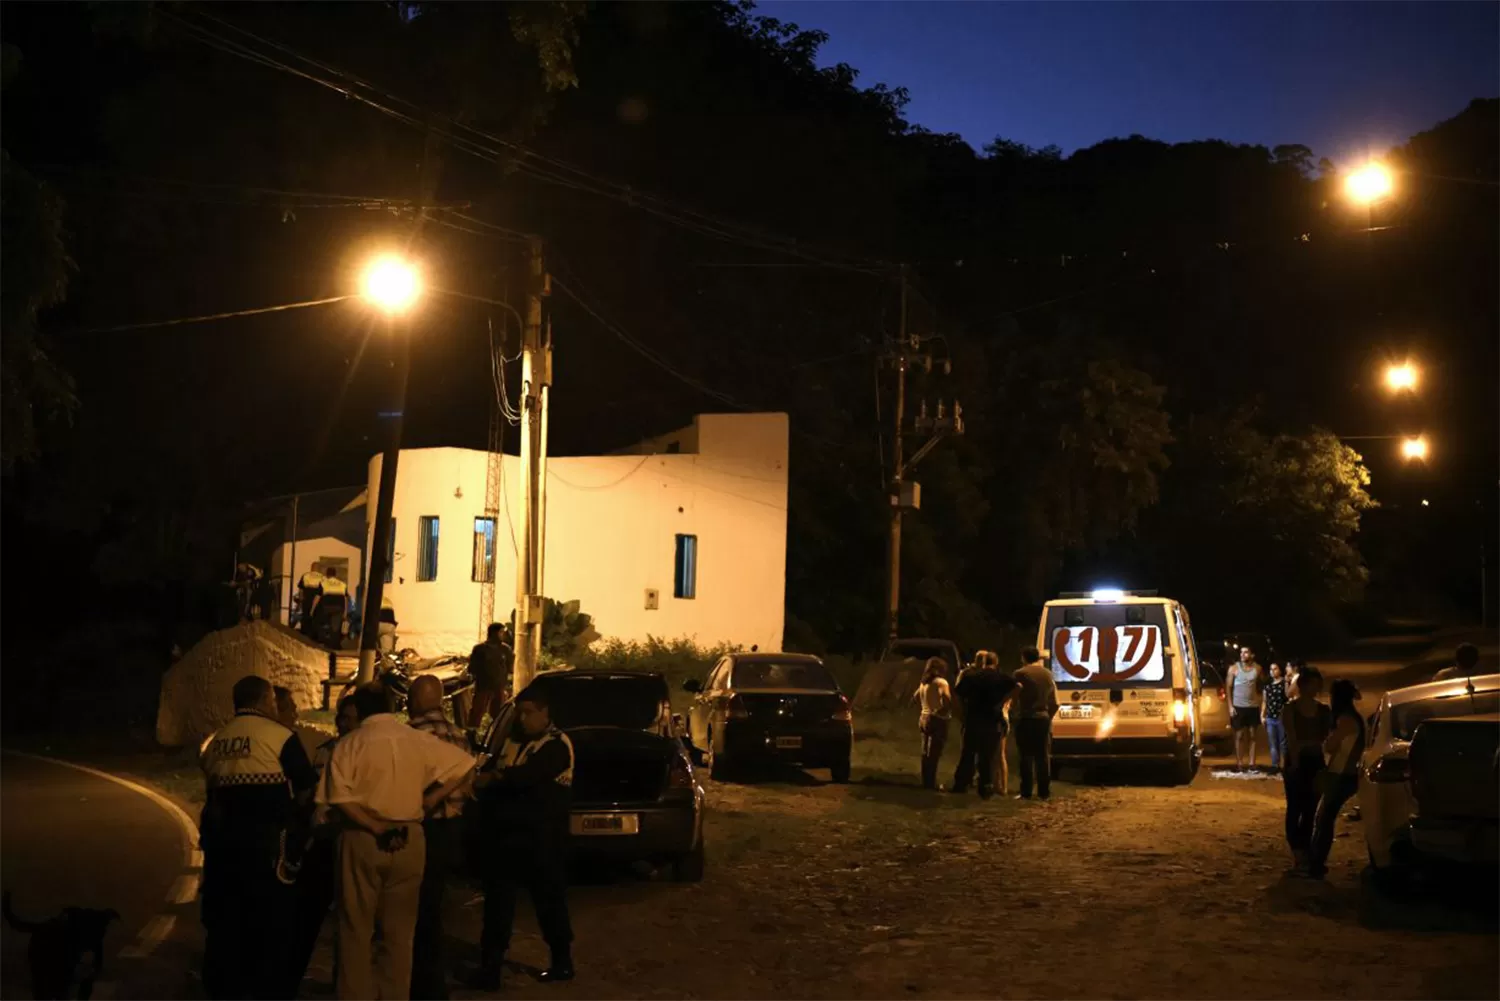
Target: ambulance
{"type": "Point", "coordinates": [1127, 681]}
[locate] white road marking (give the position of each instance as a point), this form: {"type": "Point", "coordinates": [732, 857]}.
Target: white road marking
{"type": "Point", "coordinates": [184, 889]}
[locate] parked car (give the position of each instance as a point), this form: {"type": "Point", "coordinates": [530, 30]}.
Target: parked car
{"type": "Point", "coordinates": [1214, 718]}
{"type": "Point", "coordinates": [1455, 775]}
{"type": "Point", "coordinates": [769, 707]}
{"type": "Point", "coordinates": [636, 795]}
{"type": "Point", "coordinates": [923, 649]}
{"type": "Point", "coordinates": [1386, 802]}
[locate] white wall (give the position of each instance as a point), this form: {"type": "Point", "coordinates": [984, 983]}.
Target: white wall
{"type": "Point", "coordinates": [612, 523]}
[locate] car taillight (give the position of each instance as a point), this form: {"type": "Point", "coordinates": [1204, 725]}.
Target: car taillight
{"type": "Point", "coordinates": [843, 712]}
{"type": "Point", "coordinates": [737, 708]}
{"type": "Point", "coordinates": [1179, 711]}
{"type": "Point", "coordinates": [681, 775]}
{"type": "Point", "coordinates": [1390, 770]}
{"type": "Point", "coordinates": [1222, 697]}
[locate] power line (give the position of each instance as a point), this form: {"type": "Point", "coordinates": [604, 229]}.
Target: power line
{"type": "Point", "coordinates": [543, 167]}
{"type": "Point", "coordinates": [213, 316]}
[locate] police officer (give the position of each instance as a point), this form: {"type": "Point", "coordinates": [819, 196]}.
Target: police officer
{"type": "Point", "coordinates": [524, 793]}
{"type": "Point", "coordinates": [258, 778]}
{"type": "Point", "coordinates": [247, 578]}
{"type": "Point", "coordinates": [308, 587]}
{"type": "Point", "coordinates": [328, 611]}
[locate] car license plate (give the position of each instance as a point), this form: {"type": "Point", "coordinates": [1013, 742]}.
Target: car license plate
{"type": "Point", "coordinates": [788, 743]}
{"type": "Point", "coordinates": [1076, 712]}
{"type": "Point", "coordinates": [607, 823]}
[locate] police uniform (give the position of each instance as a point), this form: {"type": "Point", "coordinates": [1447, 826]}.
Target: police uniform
{"type": "Point", "coordinates": [329, 610]}
{"type": "Point", "coordinates": [308, 585]}
{"type": "Point", "coordinates": [524, 810]}
{"type": "Point", "coordinates": [256, 769]}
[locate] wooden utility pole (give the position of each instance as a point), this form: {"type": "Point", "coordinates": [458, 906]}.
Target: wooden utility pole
{"type": "Point", "coordinates": [906, 495]}
{"type": "Point", "coordinates": [385, 500]}
{"type": "Point", "coordinates": [536, 380]}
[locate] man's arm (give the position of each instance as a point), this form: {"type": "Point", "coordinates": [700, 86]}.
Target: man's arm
{"type": "Point", "coordinates": [434, 798]}
{"type": "Point", "coordinates": [551, 760]}
{"type": "Point", "coordinates": [360, 817]}
{"type": "Point", "coordinates": [298, 770]}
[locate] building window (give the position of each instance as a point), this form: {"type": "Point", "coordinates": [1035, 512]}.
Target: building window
{"type": "Point", "coordinates": [484, 550]}
{"type": "Point", "coordinates": [427, 547]}
{"type": "Point", "coordinates": [390, 551]}
{"type": "Point", "coordinates": [685, 579]}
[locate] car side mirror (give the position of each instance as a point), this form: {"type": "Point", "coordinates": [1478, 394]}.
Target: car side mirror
{"type": "Point", "coordinates": [692, 685]}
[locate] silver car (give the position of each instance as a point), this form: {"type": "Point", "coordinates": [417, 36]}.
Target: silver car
{"type": "Point", "coordinates": [1214, 723]}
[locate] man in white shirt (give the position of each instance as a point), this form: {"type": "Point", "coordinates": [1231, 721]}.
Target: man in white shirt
{"type": "Point", "coordinates": [384, 777]}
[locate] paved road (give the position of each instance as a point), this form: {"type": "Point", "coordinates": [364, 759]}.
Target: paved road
{"type": "Point", "coordinates": [68, 838]}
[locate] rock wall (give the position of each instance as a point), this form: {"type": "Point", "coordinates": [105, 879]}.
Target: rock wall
{"type": "Point", "coordinates": [196, 694]}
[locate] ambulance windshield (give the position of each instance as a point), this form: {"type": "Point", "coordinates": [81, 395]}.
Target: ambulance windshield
{"type": "Point", "coordinates": [1108, 645]}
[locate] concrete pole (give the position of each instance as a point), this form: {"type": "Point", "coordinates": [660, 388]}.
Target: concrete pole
{"type": "Point", "coordinates": [533, 378]}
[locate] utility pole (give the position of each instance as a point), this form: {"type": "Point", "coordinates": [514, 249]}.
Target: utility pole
{"type": "Point", "coordinates": [385, 501]}
{"type": "Point", "coordinates": [536, 380]}
{"type": "Point", "coordinates": [907, 496]}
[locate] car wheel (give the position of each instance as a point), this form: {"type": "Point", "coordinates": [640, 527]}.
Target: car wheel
{"type": "Point", "coordinates": [1185, 768]}
{"type": "Point", "coordinates": [839, 771]}
{"type": "Point", "coordinates": [1392, 880]}
{"type": "Point", "coordinates": [689, 868]}
{"type": "Point", "coordinates": [717, 764]}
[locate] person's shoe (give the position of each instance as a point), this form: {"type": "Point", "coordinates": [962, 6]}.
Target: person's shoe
{"type": "Point", "coordinates": [557, 973]}
{"type": "Point", "coordinates": [483, 978]}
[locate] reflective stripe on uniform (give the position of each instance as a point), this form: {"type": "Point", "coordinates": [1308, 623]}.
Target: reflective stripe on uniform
{"type": "Point", "coordinates": [245, 751]}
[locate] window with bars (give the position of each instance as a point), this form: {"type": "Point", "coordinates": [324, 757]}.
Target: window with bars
{"type": "Point", "coordinates": [427, 547]}
{"type": "Point", "coordinates": [685, 577]}
{"type": "Point", "coordinates": [484, 550]}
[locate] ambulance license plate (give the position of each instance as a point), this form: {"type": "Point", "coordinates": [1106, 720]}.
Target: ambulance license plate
{"type": "Point", "coordinates": [606, 823]}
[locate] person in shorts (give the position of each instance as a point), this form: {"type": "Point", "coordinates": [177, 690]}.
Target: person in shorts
{"type": "Point", "coordinates": [1243, 683]}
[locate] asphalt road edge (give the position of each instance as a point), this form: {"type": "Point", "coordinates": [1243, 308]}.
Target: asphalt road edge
{"type": "Point", "coordinates": [184, 888]}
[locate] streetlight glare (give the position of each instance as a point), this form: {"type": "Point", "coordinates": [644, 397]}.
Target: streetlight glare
{"type": "Point", "coordinates": [1369, 183]}
{"type": "Point", "coordinates": [1401, 378]}
{"type": "Point", "coordinates": [1414, 448]}
{"type": "Point", "coordinates": [391, 283]}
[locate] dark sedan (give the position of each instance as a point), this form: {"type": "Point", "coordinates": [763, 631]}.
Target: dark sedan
{"type": "Point", "coordinates": [771, 707]}
{"type": "Point", "coordinates": [636, 796]}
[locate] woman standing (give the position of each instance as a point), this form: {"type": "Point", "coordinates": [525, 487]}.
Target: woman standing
{"type": "Point", "coordinates": [936, 700]}
{"type": "Point", "coordinates": [1270, 711]}
{"type": "Point", "coordinates": [1305, 726]}
{"type": "Point", "coordinates": [1337, 783]}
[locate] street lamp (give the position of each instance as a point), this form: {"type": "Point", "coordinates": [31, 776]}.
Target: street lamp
{"type": "Point", "coordinates": [391, 284]}
{"type": "Point", "coordinates": [1401, 377]}
{"type": "Point", "coordinates": [1414, 449]}
{"type": "Point", "coordinates": [1369, 184]}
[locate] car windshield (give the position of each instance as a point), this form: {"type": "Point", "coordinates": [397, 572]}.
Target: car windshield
{"type": "Point", "coordinates": [772, 674]}
{"type": "Point", "coordinates": [633, 703]}
{"type": "Point", "coordinates": [1406, 717]}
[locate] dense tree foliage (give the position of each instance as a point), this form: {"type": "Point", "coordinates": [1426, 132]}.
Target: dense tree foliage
{"type": "Point", "coordinates": [1145, 337]}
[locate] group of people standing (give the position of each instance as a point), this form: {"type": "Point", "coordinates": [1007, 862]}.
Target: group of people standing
{"type": "Point", "coordinates": [1315, 745]}
{"type": "Point", "coordinates": [991, 703]}
{"type": "Point", "coordinates": [375, 824]}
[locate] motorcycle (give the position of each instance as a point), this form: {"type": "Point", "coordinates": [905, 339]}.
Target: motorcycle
{"type": "Point", "coordinates": [396, 671]}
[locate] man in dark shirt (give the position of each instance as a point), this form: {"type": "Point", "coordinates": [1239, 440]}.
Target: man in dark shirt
{"type": "Point", "coordinates": [525, 793]}
{"type": "Point", "coordinates": [490, 664]}
{"type": "Point", "coordinates": [259, 780]}
{"type": "Point", "coordinates": [1036, 704]}
{"type": "Point", "coordinates": [982, 691]}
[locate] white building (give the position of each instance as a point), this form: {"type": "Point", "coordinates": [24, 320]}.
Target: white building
{"type": "Point", "coordinates": [682, 536]}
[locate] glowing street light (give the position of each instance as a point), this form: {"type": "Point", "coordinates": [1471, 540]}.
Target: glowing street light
{"type": "Point", "coordinates": [1414, 449]}
{"type": "Point", "coordinates": [392, 284]}
{"type": "Point", "coordinates": [1369, 184]}
{"type": "Point", "coordinates": [1401, 378]}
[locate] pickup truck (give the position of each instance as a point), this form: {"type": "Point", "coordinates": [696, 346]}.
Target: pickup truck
{"type": "Point", "coordinates": [1455, 769]}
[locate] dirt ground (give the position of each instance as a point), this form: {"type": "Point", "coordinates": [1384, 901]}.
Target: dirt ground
{"type": "Point", "coordinates": [878, 890]}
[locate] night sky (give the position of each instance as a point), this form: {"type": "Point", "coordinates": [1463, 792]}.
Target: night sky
{"type": "Point", "coordinates": [1342, 78]}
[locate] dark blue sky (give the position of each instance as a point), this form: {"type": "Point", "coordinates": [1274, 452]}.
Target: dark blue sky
{"type": "Point", "coordinates": [1342, 78]}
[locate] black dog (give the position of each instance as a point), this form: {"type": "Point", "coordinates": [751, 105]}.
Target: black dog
{"type": "Point", "coordinates": [58, 946]}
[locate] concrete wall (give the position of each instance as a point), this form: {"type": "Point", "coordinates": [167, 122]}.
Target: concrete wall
{"type": "Point", "coordinates": [612, 523]}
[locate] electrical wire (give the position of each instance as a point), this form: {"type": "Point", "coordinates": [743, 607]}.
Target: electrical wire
{"type": "Point", "coordinates": [214, 316]}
